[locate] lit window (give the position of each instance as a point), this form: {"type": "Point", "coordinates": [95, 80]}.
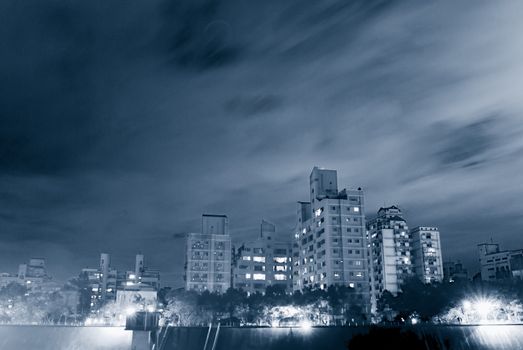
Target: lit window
{"type": "Point", "coordinates": [246, 258]}
{"type": "Point", "coordinates": [280, 260]}
{"type": "Point", "coordinates": [280, 268]}
{"type": "Point", "coordinates": [356, 209]}
{"type": "Point", "coordinates": [351, 285]}
{"type": "Point", "coordinates": [280, 277]}
{"type": "Point", "coordinates": [258, 258]}
{"type": "Point", "coordinates": [317, 212]}
{"type": "Point", "coordinates": [132, 276]}
{"type": "Point", "coordinates": [258, 277]}
{"type": "Point", "coordinates": [248, 275]}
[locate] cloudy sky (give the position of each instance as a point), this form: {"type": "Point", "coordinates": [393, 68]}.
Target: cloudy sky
{"type": "Point", "coordinates": [121, 122]}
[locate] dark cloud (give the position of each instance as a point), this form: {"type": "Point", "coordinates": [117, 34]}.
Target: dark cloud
{"type": "Point", "coordinates": [120, 123]}
{"type": "Point", "coordinates": [466, 145]}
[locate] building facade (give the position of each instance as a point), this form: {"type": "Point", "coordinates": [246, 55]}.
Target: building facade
{"type": "Point", "coordinates": [499, 264]}
{"type": "Point", "coordinates": [264, 262]}
{"type": "Point", "coordinates": [105, 282]}
{"type": "Point", "coordinates": [390, 261]}
{"type": "Point", "coordinates": [330, 242]}
{"type": "Point", "coordinates": [208, 256]}
{"type": "Point", "coordinates": [453, 271]}
{"type": "Point", "coordinates": [426, 254]}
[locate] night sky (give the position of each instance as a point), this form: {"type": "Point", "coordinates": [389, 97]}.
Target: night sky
{"type": "Point", "coordinates": [121, 122]}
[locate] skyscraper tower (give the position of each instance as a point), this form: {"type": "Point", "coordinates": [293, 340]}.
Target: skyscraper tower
{"type": "Point", "coordinates": [330, 242]}
{"type": "Point", "coordinates": [389, 251]}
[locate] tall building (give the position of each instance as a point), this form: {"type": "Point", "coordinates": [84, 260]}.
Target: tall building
{"type": "Point", "coordinates": [330, 239]}
{"type": "Point", "coordinates": [499, 264]}
{"type": "Point", "coordinates": [264, 262]}
{"type": "Point", "coordinates": [426, 254]}
{"type": "Point", "coordinates": [389, 258]}
{"type": "Point", "coordinates": [208, 256]}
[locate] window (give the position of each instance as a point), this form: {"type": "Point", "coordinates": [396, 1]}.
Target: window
{"type": "Point", "coordinates": [246, 258]}
{"type": "Point", "coordinates": [248, 276]}
{"type": "Point", "coordinates": [258, 259]}
{"type": "Point", "coordinates": [258, 277]}
{"type": "Point", "coordinates": [280, 260]}
{"type": "Point", "coordinates": [280, 277]}
{"type": "Point", "coordinates": [356, 209]}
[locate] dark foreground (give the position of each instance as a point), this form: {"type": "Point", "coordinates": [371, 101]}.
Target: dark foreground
{"type": "Point", "coordinates": [193, 338]}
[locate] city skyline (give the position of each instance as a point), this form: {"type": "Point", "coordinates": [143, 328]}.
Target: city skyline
{"type": "Point", "coordinates": [116, 134]}
{"type": "Point", "coordinates": [237, 241]}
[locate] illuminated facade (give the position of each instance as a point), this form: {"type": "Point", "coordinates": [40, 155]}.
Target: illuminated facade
{"type": "Point", "coordinates": [264, 262]}
{"type": "Point", "coordinates": [389, 252]}
{"type": "Point", "coordinates": [105, 281]}
{"type": "Point", "coordinates": [330, 241]}
{"type": "Point", "coordinates": [426, 254]}
{"type": "Point", "coordinates": [208, 256]}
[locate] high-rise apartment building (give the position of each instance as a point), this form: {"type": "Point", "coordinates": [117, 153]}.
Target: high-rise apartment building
{"type": "Point", "coordinates": [426, 254]}
{"type": "Point", "coordinates": [330, 242]}
{"type": "Point", "coordinates": [389, 251]}
{"type": "Point", "coordinates": [264, 262]}
{"type": "Point", "coordinates": [208, 256]}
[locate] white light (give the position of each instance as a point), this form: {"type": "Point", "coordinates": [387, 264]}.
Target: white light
{"type": "Point", "coordinates": [306, 324]}
{"type": "Point", "coordinates": [151, 308]}
{"type": "Point", "coordinates": [130, 311]}
{"type": "Point", "coordinates": [414, 320]}
{"type": "Point", "coordinates": [258, 277]}
{"type": "Point", "coordinates": [132, 276]}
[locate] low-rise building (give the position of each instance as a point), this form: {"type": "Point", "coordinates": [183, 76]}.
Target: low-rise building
{"type": "Point", "coordinates": [454, 271]}
{"type": "Point", "coordinates": [499, 264]}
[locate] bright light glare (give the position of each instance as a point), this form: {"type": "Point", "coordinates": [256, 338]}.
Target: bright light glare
{"type": "Point", "coordinates": [151, 308]}
{"type": "Point", "coordinates": [130, 311]}
{"type": "Point", "coordinates": [305, 324]}
{"type": "Point", "coordinates": [414, 320]}
{"type": "Point", "coordinates": [484, 307]}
